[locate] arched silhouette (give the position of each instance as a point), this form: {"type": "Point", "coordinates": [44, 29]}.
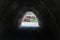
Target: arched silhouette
{"type": "Point", "coordinates": [29, 20]}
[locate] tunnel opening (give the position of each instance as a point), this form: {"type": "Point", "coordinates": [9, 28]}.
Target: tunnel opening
{"type": "Point", "coordinates": [29, 21]}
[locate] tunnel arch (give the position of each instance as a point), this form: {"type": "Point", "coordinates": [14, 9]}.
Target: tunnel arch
{"type": "Point", "coordinates": [23, 11]}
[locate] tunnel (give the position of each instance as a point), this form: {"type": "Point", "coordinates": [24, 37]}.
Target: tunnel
{"type": "Point", "coordinates": [28, 20]}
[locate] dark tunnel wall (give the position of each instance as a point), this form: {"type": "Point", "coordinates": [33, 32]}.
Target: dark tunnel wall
{"type": "Point", "coordinates": [54, 6]}
{"type": "Point", "coordinates": [7, 12]}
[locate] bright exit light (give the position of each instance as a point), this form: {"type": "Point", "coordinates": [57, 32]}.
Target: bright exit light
{"type": "Point", "coordinates": [29, 20]}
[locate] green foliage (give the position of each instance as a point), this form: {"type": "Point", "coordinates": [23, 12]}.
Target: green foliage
{"type": "Point", "coordinates": [34, 20]}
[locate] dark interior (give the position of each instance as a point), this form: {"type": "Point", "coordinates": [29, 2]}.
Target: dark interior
{"type": "Point", "coordinates": [49, 13]}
